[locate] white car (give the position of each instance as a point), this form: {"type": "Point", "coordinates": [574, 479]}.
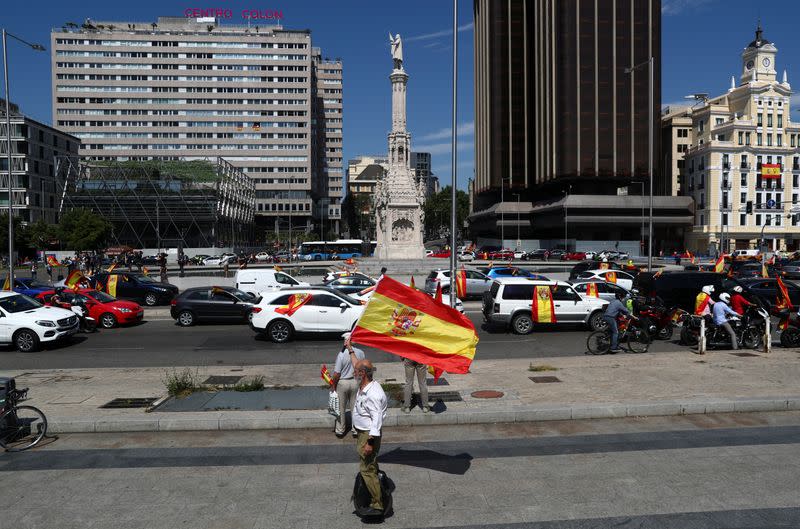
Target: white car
{"type": "Point", "coordinates": [519, 254]}
{"type": "Point", "coordinates": [477, 282]}
{"type": "Point", "coordinates": [328, 311]}
{"type": "Point", "coordinates": [263, 256]}
{"type": "Point", "coordinates": [257, 280]}
{"type": "Point", "coordinates": [466, 256]}
{"type": "Point", "coordinates": [624, 279]}
{"type": "Point", "coordinates": [509, 302]}
{"type": "Point", "coordinates": [220, 260]}
{"type": "Point", "coordinates": [26, 323]}
{"type": "Point", "coordinates": [606, 291]}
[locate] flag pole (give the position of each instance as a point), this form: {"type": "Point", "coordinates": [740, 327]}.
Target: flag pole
{"type": "Point", "coordinates": [454, 179]}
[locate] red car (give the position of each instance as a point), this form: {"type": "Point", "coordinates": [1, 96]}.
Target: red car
{"type": "Point", "coordinates": [107, 310]}
{"type": "Point", "coordinates": [574, 256]}
{"type": "Point", "coordinates": [504, 255]}
{"type": "Point", "coordinates": [444, 254]}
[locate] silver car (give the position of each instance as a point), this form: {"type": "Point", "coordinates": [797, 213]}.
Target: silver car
{"type": "Point", "coordinates": [477, 282]}
{"type": "Point", "coordinates": [606, 291]}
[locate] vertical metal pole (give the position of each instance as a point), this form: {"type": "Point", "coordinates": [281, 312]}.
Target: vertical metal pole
{"type": "Point", "coordinates": [502, 224]}
{"type": "Point", "coordinates": [454, 161]}
{"type": "Point", "coordinates": [650, 164]}
{"type": "Point", "coordinates": [519, 243]}
{"type": "Point", "coordinates": [566, 217]}
{"type": "Point", "coordinates": [8, 146]}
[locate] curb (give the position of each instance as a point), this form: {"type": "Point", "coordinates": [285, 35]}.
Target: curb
{"type": "Point", "coordinates": [285, 420]}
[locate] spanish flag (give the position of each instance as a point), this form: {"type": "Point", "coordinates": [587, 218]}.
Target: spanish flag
{"type": "Point", "coordinates": [542, 308]}
{"type": "Point", "coordinates": [435, 373]}
{"type": "Point", "coordinates": [591, 290]}
{"type": "Point", "coordinates": [145, 271]}
{"type": "Point", "coordinates": [412, 284]}
{"type": "Point", "coordinates": [604, 266]}
{"type": "Point", "coordinates": [52, 261]}
{"type": "Point", "coordinates": [111, 268]}
{"type": "Point", "coordinates": [7, 282]}
{"type": "Point", "coordinates": [410, 324]}
{"type": "Point", "coordinates": [701, 302]}
{"type": "Point", "coordinates": [719, 266]}
{"type": "Point", "coordinates": [438, 295]}
{"type": "Point", "coordinates": [74, 280]}
{"type": "Point", "coordinates": [611, 277]}
{"type": "Point", "coordinates": [277, 268]}
{"type": "Point", "coordinates": [111, 284]}
{"type": "Point", "coordinates": [326, 375]}
{"type": "Point", "coordinates": [764, 271]}
{"type": "Point", "coordinates": [295, 302]}
{"type": "Point", "coordinates": [783, 301]}
{"type": "Point", "coordinates": [350, 261]}
{"type": "Point", "coordinates": [461, 283]}
{"type": "Point", "coordinates": [784, 323]}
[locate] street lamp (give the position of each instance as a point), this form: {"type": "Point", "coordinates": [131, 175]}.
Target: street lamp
{"type": "Point", "coordinates": [502, 216]}
{"type": "Point", "coordinates": [518, 239]}
{"type": "Point", "coordinates": [37, 47]}
{"type": "Point", "coordinates": [650, 66]}
{"type": "Point", "coordinates": [767, 223]}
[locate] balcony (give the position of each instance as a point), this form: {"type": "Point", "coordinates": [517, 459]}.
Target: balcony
{"type": "Point", "coordinates": [744, 166]}
{"type": "Point", "coordinates": [726, 166]}
{"type": "Point", "coordinates": [726, 184]}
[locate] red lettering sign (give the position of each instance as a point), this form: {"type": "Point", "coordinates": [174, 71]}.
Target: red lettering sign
{"type": "Point", "coordinates": [253, 14]}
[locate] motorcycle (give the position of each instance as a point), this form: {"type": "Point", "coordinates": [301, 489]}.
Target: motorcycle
{"type": "Point", "coordinates": [658, 321]}
{"type": "Point", "coordinates": [87, 323]}
{"type": "Point", "coordinates": [749, 329]}
{"type": "Point", "coordinates": [790, 336]}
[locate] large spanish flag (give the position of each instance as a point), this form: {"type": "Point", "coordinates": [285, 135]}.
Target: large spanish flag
{"type": "Point", "coordinates": [52, 261]}
{"type": "Point", "coordinates": [782, 301]}
{"type": "Point", "coordinates": [719, 266]}
{"type": "Point", "coordinates": [411, 324]}
{"type": "Point", "coordinates": [461, 283]}
{"type": "Point", "coordinates": [542, 307]}
{"type": "Point", "coordinates": [111, 284]}
{"type": "Point", "coordinates": [591, 290]}
{"type": "Point", "coordinates": [74, 280]}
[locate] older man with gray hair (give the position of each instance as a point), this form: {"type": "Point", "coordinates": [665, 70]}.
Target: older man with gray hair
{"type": "Point", "coordinates": [344, 383]}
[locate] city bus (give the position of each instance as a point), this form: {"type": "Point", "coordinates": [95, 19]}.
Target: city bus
{"type": "Point", "coordinates": [339, 249]}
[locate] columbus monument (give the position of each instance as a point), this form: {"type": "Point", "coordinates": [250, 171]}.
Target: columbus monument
{"type": "Point", "coordinates": [398, 196]}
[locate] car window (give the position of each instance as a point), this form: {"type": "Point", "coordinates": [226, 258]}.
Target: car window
{"type": "Point", "coordinates": [346, 281]}
{"type": "Point", "coordinates": [324, 300]}
{"type": "Point", "coordinates": [222, 297]}
{"type": "Point", "coordinates": [504, 272]}
{"type": "Point", "coordinates": [102, 297]}
{"type": "Point", "coordinates": [623, 275]}
{"type": "Point", "coordinates": [18, 303]}
{"type": "Point", "coordinates": [471, 274]}
{"type": "Point", "coordinates": [517, 292]}
{"type": "Point", "coordinates": [285, 279]}
{"type": "Point", "coordinates": [581, 287]}
{"type": "Point", "coordinates": [281, 300]}
{"type": "Point", "coordinates": [563, 293]}
{"type": "Point", "coordinates": [198, 295]}
{"type": "Point", "coordinates": [586, 275]}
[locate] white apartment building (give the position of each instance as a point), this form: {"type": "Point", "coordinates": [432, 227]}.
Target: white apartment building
{"type": "Point", "coordinates": [262, 98]}
{"type": "Point", "coordinates": [745, 149]}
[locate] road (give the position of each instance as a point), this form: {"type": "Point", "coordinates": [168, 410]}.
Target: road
{"type": "Point", "coordinates": [731, 471]}
{"type": "Point", "coordinates": [159, 342]}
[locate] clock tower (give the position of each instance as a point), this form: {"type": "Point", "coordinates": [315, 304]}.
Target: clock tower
{"type": "Point", "coordinates": [758, 60]}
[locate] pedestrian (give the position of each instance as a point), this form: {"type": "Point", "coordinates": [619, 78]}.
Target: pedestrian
{"type": "Point", "coordinates": [420, 370]}
{"type": "Point", "coordinates": [721, 313]}
{"type": "Point", "coordinates": [225, 268]}
{"type": "Point", "coordinates": [49, 269]}
{"type": "Point", "coordinates": [344, 384]}
{"type": "Point", "coordinates": [34, 268]}
{"type": "Point", "coordinates": [163, 268]}
{"type": "Point", "coordinates": [613, 310]}
{"type": "Point", "coordinates": [181, 263]}
{"type": "Point", "coordinates": [369, 412]}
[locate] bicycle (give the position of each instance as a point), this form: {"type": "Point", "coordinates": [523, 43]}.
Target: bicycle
{"type": "Point", "coordinates": [635, 339]}
{"type": "Point", "coordinates": [21, 427]}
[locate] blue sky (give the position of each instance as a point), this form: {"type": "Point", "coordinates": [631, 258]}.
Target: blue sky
{"type": "Point", "coordinates": [701, 43]}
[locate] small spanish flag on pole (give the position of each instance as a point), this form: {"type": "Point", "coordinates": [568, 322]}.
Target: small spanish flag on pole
{"type": "Point", "coordinates": [542, 308]}
{"type": "Point", "coordinates": [461, 283]}
{"type": "Point", "coordinates": [719, 266]}
{"type": "Point", "coordinates": [111, 268]}
{"type": "Point", "coordinates": [7, 282]}
{"type": "Point", "coordinates": [412, 284]}
{"type": "Point", "coordinates": [277, 268]}
{"type": "Point", "coordinates": [350, 261]}
{"type": "Point", "coordinates": [438, 295]}
{"type": "Point", "coordinates": [410, 324]}
{"type": "Point", "coordinates": [591, 290]}
{"type": "Point", "coordinates": [326, 375]}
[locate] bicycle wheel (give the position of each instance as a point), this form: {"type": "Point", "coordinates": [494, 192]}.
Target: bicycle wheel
{"type": "Point", "coordinates": [637, 340]}
{"type": "Point", "coordinates": [599, 343]}
{"type": "Point", "coordinates": [22, 427]}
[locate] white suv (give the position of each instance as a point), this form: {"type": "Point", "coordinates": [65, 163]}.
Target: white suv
{"type": "Point", "coordinates": [328, 311]}
{"type": "Point", "coordinates": [26, 323]}
{"type": "Point", "coordinates": [508, 302]}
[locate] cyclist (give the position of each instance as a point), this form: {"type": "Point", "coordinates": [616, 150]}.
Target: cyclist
{"type": "Point", "coordinates": [738, 302]}
{"type": "Point", "coordinates": [613, 310]}
{"type": "Point", "coordinates": [721, 313]}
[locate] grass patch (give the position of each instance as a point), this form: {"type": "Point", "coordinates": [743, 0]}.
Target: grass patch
{"type": "Point", "coordinates": [255, 383]}
{"type": "Point", "coordinates": [181, 383]}
{"type": "Point", "coordinates": [541, 367]}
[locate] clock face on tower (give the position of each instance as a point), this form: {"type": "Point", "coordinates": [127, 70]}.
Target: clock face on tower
{"type": "Point", "coordinates": [766, 62]}
{"type": "Point", "coordinates": [749, 65]}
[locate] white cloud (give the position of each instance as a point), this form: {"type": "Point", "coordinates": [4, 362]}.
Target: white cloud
{"type": "Point", "coordinates": [441, 148]}
{"type": "Point", "coordinates": [677, 7]}
{"type": "Point", "coordinates": [464, 129]}
{"type": "Point", "coordinates": [437, 34]}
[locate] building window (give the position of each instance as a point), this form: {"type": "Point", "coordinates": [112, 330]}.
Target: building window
{"type": "Point", "coordinates": [760, 121]}
{"type": "Point", "coordinates": [747, 138]}
{"type": "Point", "coordinates": [719, 121]}
{"type": "Point", "coordinates": [702, 219]}
{"type": "Point", "coordinates": [702, 201]}
{"type": "Point", "coordinates": [741, 138]}
{"type": "Point", "coordinates": [769, 140]}
{"type": "Point", "coordinates": [780, 120]}
{"type": "Point", "coordinates": [758, 139]}
{"type": "Point", "coordinates": [758, 219]}
{"type": "Point", "coordinates": [780, 140]}
{"type": "Point", "coordinates": [743, 197]}
{"type": "Point", "coordinates": [743, 219]}
{"type": "Point", "coordinates": [724, 219]}
{"type": "Point", "coordinates": [778, 220]}
{"type": "Point", "coordinates": [744, 179]}
{"type": "Point", "coordinates": [725, 200]}
{"type": "Point", "coordinates": [794, 181]}
{"type": "Point", "coordinates": [791, 139]}
{"type": "Point", "coordinates": [700, 125]}
{"type": "Point", "coordinates": [769, 120]}
{"type": "Point", "coordinates": [758, 200]}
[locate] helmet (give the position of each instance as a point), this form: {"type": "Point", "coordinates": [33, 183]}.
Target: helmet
{"type": "Point", "coordinates": [708, 289]}
{"type": "Point", "coordinates": [725, 297]}
{"type": "Point", "coordinates": [738, 289]}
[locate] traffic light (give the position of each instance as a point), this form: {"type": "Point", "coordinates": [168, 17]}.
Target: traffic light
{"type": "Point", "coordinates": [749, 207]}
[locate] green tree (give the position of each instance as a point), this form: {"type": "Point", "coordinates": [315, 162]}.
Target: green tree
{"type": "Point", "coordinates": [437, 210]}
{"type": "Point", "coordinates": [40, 235]}
{"type": "Point", "coordinates": [82, 229]}
{"type": "Point", "coordinates": [20, 237]}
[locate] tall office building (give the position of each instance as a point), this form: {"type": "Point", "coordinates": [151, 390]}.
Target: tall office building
{"type": "Point", "coordinates": [558, 117]}
{"type": "Point", "coordinates": [262, 98]}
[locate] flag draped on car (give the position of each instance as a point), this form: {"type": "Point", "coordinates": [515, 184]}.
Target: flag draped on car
{"type": "Point", "coordinates": [542, 307]}
{"type": "Point", "coordinates": [461, 283]}
{"type": "Point", "coordinates": [410, 324]}
{"type": "Point", "coordinates": [295, 302]}
{"type": "Point", "coordinates": [591, 290]}
{"type": "Point", "coordinates": [111, 285]}
{"type": "Point", "coordinates": [611, 277]}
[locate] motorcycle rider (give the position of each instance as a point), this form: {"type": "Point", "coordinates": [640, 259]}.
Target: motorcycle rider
{"type": "Point", "coordinates": [613, 310]}
{"type": "Point", "coordinates": [703, 301]}
{"type": "Point", "coordinates": [738, 302]}
{"type": "Point", "coordinates": [721, 313]}
{"type": "Point", "coordinates": [58, 299]}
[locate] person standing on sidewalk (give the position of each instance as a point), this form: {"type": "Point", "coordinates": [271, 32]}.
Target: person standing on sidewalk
{"type": "Point", "coordinates": [368, 414]}
{"type": "Point", "coordinates": [420, 371]}
{"type": "Point", "coordinates": [344, 384]}
{"type": "Point", "coordinates": [34, 268]}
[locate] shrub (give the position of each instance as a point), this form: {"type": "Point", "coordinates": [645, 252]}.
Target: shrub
{"type": "Point", "coordinates": [181, 383]}
{"type": "Point", "coordinates": [255, 383]}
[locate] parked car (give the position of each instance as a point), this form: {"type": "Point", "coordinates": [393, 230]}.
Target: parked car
{"type": "Point", "coordinates": [574, 256]}
{"type": "Point", "coordinates": [606, 291]}
{"type": "Point", "coordinates": [505, 254]}
{"type": "Point", "coordinates": [579, 268]}
{"type": "Point", "coordinates": [767, 290]}
{"type": "Point", "coordinates": [106, 310]}
{"type": "Point", "coordinates": [328, 311]}
{"type": "Point", "coordinates": [257, 280]}
{"type": "Point", "coordinates": [331, 275]}
{"type": "Point", "coordinates": [263, 257]}
{"type": "Point", "coordinates": [508, 303]}
{"type": "Point", "coordinates": [791, 270]}
{"type": "Point", "coordinates": [136, 287]}
{"type": "Point", "coordinates": [212, 304]}
{"type": "Point", "coordinates": [27, 323]}
{"type": "Point", "coordinates": [441, 254]}
{"type": "Point", "coordinates": [624, 279]}
{"type": "Point", "coordinates": [519, 254]}
{"type": "Point", "coordinates": [556, 254]}
{"type": "Point", "coordinates": [535, 255]}
{"type": "Point", "coordinates": [198, 259]}
{"type": "Point", "coordinates": [477, 282]}
{"type": "Point", "coordinates": [749, 269]}
{"type": "Point", "coordinates": [497, 272]}
{"type": "Point", "coordinates": [350, 284]}
{"type": "Point", "coordinates": [221, 260]}
{"type": "Point", "coordinates": [466, 256]}
{"type": "Point", "coordinates": [30, 287]}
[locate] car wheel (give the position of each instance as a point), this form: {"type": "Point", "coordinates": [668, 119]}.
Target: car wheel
{"type": "Point", "coordinates": [186, 318]}
{"type": "Point", "coordinates": [596, 321]}
{"type": "Point", "coordinates": [150, 300]}
{"type": "Point", "coordinates": [108, 321]}
{"type": "Point", "coordinates": [522, 324]}
{"type": "Point", "coordinates": [280, 331]}
{"type": "Point", "coordinates": [26, 341]}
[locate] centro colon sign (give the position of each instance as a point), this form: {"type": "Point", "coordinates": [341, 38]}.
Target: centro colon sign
{"type": "Point", "coordinates": [255, 14]}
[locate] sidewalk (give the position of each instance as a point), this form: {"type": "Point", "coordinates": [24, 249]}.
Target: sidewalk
{"type": "Point", "coordinates": [589, 387]}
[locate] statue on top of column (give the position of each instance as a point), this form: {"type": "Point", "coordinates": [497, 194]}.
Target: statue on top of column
{"type": "Point", "coordinates": [397, 51]}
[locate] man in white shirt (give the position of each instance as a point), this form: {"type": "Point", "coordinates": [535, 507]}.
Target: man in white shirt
{"type": "Point", "coordinates": [368, 414]}
{"type": "Point", "coordinates": [344, 383]}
